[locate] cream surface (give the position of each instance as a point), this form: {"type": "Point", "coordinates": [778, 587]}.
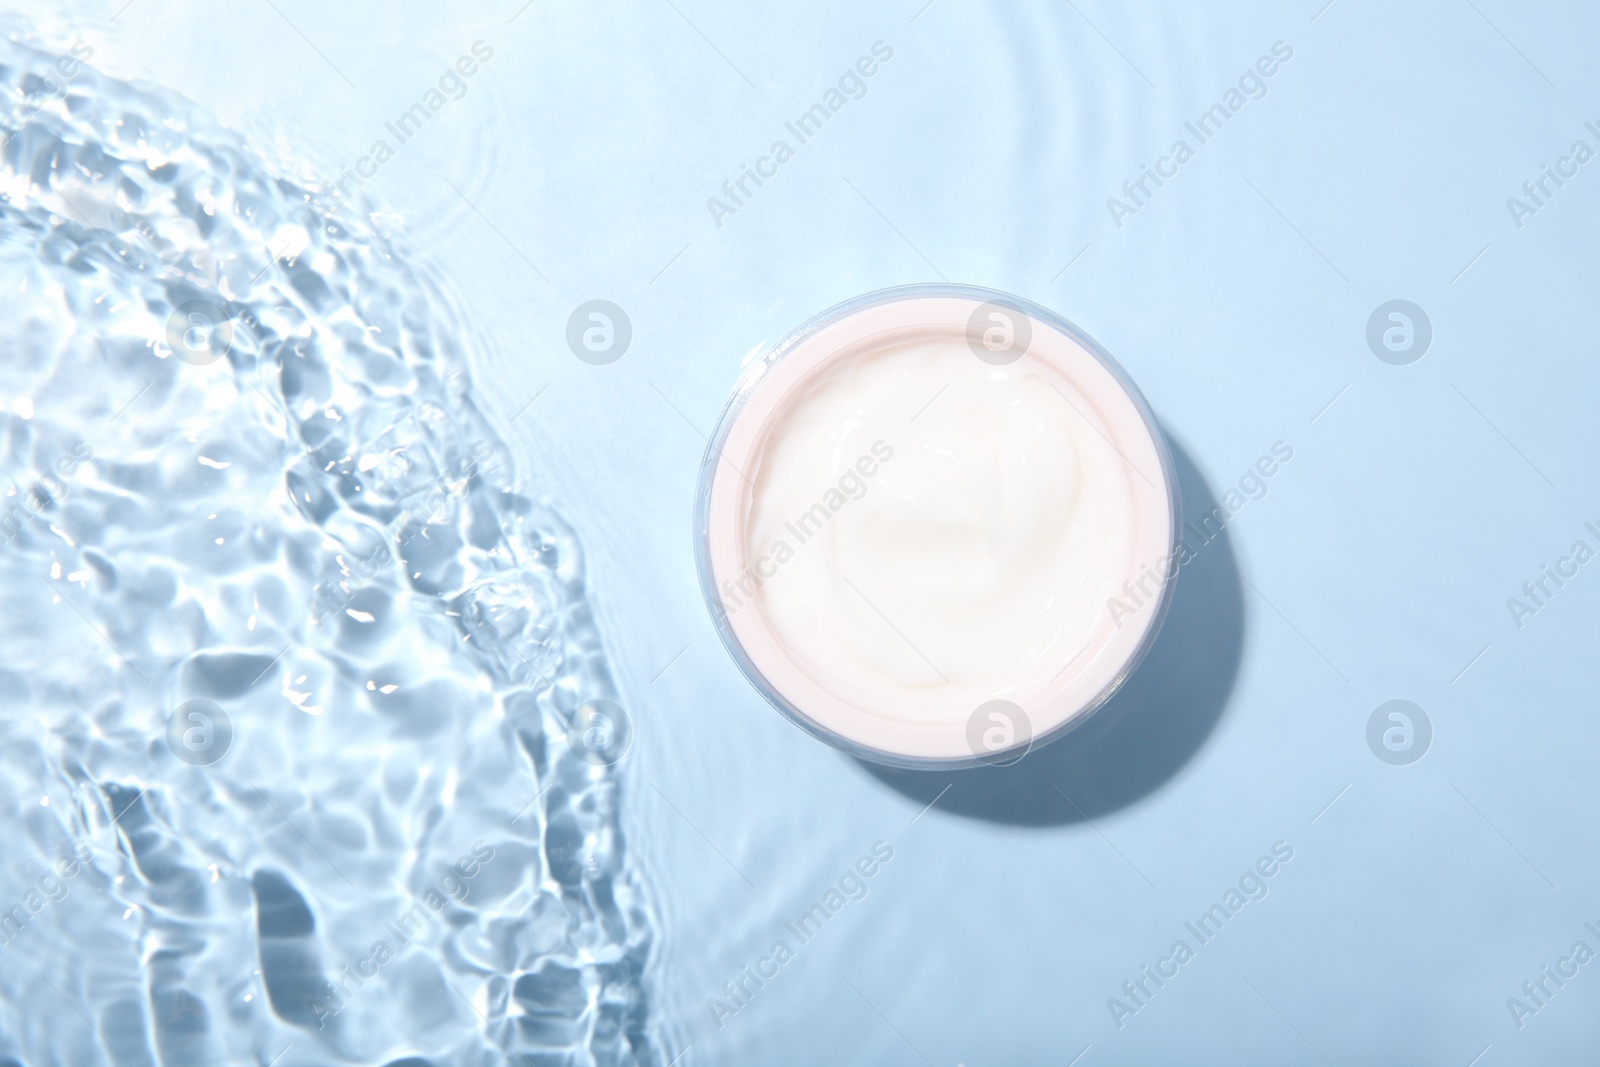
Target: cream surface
{"type": "Point", "coordinates": [931, 531]}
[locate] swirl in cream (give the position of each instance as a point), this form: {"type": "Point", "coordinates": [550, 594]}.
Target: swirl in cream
{"type": "Point", "coordinates": [936, 531]}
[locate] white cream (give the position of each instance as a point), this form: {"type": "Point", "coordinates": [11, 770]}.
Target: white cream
{"type": "Point", "coordinates": [936, 529]}
{"type": "Point", "coordinates": [897, 532]}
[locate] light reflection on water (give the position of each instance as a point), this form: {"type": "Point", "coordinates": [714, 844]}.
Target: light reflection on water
{"type": "Point", "coordinates": [288, 663]}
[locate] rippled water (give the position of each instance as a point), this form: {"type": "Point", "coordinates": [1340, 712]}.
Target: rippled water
{"type": "Point", "coordinates": [244, 468]}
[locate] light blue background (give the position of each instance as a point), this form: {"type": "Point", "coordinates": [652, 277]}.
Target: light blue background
{"type": "Point", "coordinates": [1378, 566]}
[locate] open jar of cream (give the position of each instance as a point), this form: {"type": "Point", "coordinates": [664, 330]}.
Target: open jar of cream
{"type": "Point", "coordinates": [937, 526]}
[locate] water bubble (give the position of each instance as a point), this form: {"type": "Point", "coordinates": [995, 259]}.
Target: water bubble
{"type": "Point", "coordinates": [1399, 332]}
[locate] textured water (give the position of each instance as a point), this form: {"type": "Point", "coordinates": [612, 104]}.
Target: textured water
{"type": "Point", "coordinates": [243, 468]}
